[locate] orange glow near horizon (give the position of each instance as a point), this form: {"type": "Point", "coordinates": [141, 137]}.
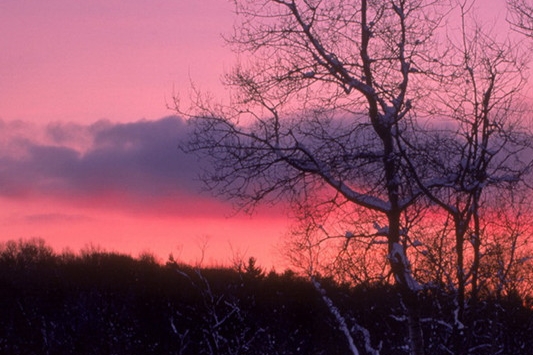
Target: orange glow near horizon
{"type": "Point", "coordinates": [221, 239]}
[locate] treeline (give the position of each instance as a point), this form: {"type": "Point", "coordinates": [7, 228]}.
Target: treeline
{"type": "Point", "coordinates": [98, 302]}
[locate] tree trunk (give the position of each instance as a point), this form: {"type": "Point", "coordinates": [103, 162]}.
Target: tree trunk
{"type": "Point", "coordinates": [411, 301]}
{"type": "Point", "coordinates": [416, 336]}
{"type": "Point", "coordinates": [458, 325]}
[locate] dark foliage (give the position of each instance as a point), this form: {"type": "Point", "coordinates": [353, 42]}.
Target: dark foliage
{"type": "Point", "coordinates": [108, 303]}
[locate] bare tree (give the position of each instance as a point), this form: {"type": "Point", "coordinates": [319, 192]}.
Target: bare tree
{"type": "Point", "coordinates": [320, 110]}
{"type": "Point", "coordinates": [505, 270]}
{"type": "Point", "coordinates": [520, 16]}
{"type": "Point", "coordinates": [486, 150]}
{"type": "Point", "coordinates": [330, 113]}
{"type": "Point", "coordinates": [224, 330]}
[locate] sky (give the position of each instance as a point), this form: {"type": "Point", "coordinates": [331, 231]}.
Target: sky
{"type": "Point", "coordinates": [88, 144]}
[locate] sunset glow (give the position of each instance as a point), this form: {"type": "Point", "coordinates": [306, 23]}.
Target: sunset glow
{"type": "Point", "coordinates": [266, 177]}
{"type": "Point", "coordinates": [89, 147]}
{"type": "Point", "coordinates": [88, 157]}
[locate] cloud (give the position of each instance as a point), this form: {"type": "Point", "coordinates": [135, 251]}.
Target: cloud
{"type": "Point", "coordinates": [133, 166]}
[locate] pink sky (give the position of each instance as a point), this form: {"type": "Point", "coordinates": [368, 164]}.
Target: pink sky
{"type": "Point", "coordinates": [73, 179]}
{"type": "Point", "coordinates": [86, 60]}
{"type": "Point", "coordinates": [86, 153]}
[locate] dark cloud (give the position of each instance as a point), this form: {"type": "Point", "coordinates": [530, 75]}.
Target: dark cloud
{"type": "Point", "coordinates": [134, 166]}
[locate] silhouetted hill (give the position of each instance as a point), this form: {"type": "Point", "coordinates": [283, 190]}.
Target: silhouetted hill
{"type": "Point", "coordinates": [108, 303]}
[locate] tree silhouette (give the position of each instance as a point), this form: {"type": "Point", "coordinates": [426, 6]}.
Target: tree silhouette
{"type": "Point", "coordinates": [338, 113]}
